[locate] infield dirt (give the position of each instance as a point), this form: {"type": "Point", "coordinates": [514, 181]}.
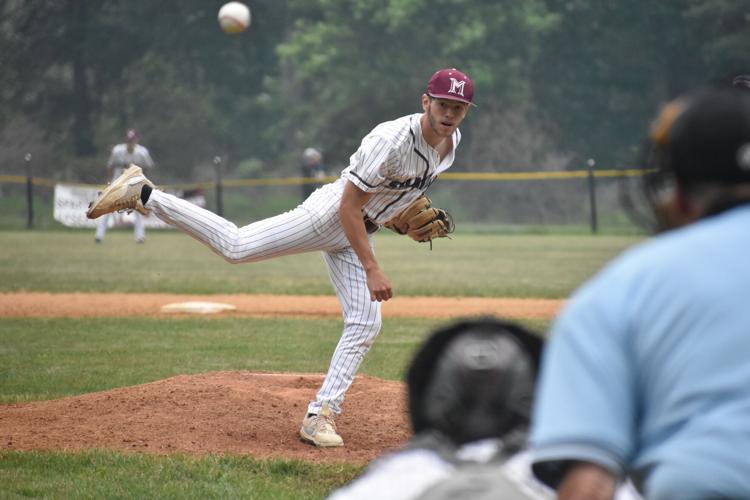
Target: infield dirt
{"type": "Point", "coordinates": [248, 413]}
{"type": "Point", "coordinates": [149, 304]}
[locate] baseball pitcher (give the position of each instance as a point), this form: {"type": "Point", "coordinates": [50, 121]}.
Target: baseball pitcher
{"type": "Point", "coordinates": [389, 173]}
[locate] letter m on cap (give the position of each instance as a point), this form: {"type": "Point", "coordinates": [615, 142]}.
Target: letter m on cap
{"type": "Point", "coordinates": [457, 87]}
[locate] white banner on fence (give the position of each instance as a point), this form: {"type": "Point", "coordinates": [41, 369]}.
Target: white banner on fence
{"type": "Point", "coordinates": [72, 201]}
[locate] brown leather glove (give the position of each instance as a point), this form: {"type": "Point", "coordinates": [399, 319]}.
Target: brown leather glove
{"type": "Point", "coordinates": [422, 222]}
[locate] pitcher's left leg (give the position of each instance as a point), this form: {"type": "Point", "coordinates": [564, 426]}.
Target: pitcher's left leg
{"type": "Point", "coordinates": [362, 323]}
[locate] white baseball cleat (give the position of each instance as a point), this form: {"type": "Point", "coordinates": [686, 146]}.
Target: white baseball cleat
{"type": "Point", "coordinates": [320, 429]}
{"type": "Point", "coordinates": [124, 193]}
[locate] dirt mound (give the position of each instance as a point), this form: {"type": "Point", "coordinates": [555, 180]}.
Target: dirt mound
{"type": "Point", "coordinates": [257, 414]}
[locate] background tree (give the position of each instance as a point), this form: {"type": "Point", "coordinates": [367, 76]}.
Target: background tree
{"type": "Point", "coordinates": [347, 69]}
{"type": "Point", "coordinates": [557, 81]}
{"type": "Point", "coordinates": [606, 65]}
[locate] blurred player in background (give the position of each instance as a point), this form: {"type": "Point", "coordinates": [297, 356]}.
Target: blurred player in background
{"type": "Point", "coordinates": [470, 388]}
{"type": "Point", "coordinates": [123, 155]}
{"type": "Point", "coordinates": [312, 167]}
{"type": "Point", "coordinates": [646, 372]}
{"type": "Point", "coordinates": [393, 167]}
{"type": "Point", "coordinates": [742, 82]}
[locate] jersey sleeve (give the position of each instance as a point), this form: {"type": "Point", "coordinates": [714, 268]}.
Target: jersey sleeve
{"type": "Point", "coordinates": [369, 166]}
{"type": "Point", "coordinates": [585, 404]}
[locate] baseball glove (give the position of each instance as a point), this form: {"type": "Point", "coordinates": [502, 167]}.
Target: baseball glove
{"type": "Point", "coordinates": [422, 222]}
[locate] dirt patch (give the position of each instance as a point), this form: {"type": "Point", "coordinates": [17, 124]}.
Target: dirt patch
{"type": "Point", "coordinates": [146, 304]}
{"type": "Point", "coordinates": [247, 413]}
{"type": "Point", "coordinates": [257, 414]}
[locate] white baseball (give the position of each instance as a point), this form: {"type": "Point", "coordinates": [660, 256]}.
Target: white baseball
{"type": "Point", "coordinates": [234, 17]}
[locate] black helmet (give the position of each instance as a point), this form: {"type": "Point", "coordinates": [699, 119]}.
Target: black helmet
{"type": "Point", "coordinates": [704, 137]}
{"type": "Point", "coordinates": [697, 141]}
{"type": "Point", "coordinates": [474, 379]}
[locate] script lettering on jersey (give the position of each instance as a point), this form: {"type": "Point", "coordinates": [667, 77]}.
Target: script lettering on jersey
{"type": "Point", "coordinates": [413, 183]}
{"type": "Point", "coordinates": [457, 87]}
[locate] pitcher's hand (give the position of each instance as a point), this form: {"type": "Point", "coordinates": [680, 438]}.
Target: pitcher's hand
{"type": "Point", "coordinates": [379, 285]}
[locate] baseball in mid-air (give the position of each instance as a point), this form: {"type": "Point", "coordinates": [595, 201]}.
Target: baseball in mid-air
{"type": "Point", "coordinates": [234, 17]}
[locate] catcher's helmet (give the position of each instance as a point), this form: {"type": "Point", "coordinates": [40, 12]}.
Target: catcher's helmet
{"type": "Point", "coordinates": [474, 380]}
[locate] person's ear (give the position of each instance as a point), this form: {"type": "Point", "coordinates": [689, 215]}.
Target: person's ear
{"type": "Point", "coordinates": [425, 102]}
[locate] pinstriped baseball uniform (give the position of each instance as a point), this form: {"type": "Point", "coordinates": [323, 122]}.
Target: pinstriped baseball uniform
{"type": "Point", "coordinates": [396, 165]}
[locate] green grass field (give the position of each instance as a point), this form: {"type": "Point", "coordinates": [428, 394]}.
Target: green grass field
{"type": "Point", "coordinates": [52, 358]}
{"type": "Point", "coordinates": [481, 265]}
{"type": "Point", "coordinates": [100, 474]}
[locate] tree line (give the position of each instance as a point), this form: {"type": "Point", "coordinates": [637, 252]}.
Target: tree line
{"type": "Point", "coordinates": [556, 81]}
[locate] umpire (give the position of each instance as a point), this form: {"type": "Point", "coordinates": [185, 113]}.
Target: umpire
{"type": "Point", "coordinates": [646, 372]}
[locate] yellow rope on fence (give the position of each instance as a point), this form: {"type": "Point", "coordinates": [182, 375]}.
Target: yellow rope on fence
{"type": "Point", "coordinates": [290, 181]}
{"type": "Point", "coordinates": [526, 176]}
{"type": "Point", "coordinates": [21, 179]}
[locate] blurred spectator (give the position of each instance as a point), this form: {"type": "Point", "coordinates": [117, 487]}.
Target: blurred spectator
{"type": "Point", "coordinates": [123, 155]}
{"type": "Point", "coordinates": [312, 167]}
{"type": "Point", "coordinates": [742, 81]}
{"type": "Point", "coordinates": [646, 371]}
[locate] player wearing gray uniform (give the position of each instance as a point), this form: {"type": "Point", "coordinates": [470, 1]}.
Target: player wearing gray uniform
{"type": "Point", "coordinates": [123, 155]}
{"type": "Point", "coordinates": [395, 164]}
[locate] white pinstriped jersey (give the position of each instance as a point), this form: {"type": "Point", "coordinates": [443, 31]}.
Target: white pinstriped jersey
{"type": "Point", "coordinates": [393, 162]}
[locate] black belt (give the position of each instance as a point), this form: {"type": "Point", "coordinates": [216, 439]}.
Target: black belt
{"type": "Point", "coordinates": [370, 226]}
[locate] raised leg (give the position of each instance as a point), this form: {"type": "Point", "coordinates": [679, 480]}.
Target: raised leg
{"type": "Point", "coordinates": [288, 233]}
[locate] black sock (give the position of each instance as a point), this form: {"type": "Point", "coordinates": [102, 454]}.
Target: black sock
{"type": "Point", "coordinates": [145, 193]}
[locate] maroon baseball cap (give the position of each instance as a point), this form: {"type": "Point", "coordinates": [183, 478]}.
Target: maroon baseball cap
{"type": "Point", "coordinates": [450, 83]}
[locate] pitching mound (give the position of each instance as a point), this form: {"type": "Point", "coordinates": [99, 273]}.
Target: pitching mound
{"type": "Point", "coordinates": [256, 414]}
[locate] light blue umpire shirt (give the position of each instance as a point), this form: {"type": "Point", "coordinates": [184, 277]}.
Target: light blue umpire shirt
{"type": "Point", "coordinates": [647, 370]}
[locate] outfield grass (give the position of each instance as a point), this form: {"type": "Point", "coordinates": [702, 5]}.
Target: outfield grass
{"type": "Point", "coordinates": [484, 265]}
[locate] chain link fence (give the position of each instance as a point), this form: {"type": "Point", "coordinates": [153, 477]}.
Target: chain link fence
{"type": "Point", "coordinates": [583, 200]}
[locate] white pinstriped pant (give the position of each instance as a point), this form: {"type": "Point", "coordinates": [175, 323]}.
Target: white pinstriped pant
{"type": "Point", "coordinates": [296, 231]}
